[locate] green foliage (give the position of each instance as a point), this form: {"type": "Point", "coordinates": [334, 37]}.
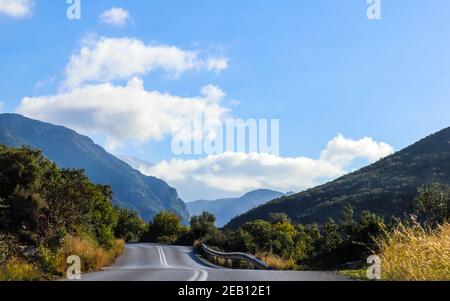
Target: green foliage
{"type": "Point", "coordinates": [308, 245]}
{"type": "Point", "coordinates": [202, 225]}
{"type": "Point", "coordinates": [276, 218]}
{"type": "Point", "coordinates": [330, 242]}
{"type": "Point", "coordinates": [22, 174]}
{"type": "Point", "coordinates": [19, 270]}
{"type": "Point", "coordinates": [358, 274]}
{"type": "Point", "coordinates": [305, 239]}
{"type": "Point", "coordinates": [8, 247]}
{"type": "Point", "coordinates": [433, 202]}
{"type": "Point", "coordinates": [165, 228]}
{"type": "Point", "coordinates": [260, 236]}
{"type": "Point", "coordinates": [130, 227]}
{"type": "Point", "coordinates": [42, 203]}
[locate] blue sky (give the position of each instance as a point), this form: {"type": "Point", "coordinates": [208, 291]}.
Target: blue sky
{"type": "Point", "coordinates": [320, 67]}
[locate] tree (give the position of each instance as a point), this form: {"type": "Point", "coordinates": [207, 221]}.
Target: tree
{"type": "Point", "coordinates": [130, 227]}
{"type": "Point", "coordinates": [433, 202]}
{"type": "Point", "coordinates": [22, 174]}
{"type": "Point", "coordinates": [361, 237]}
{"type": "Point", "coordinates": [202, 225]}
{"type": "Point", "coordinates": [349, 224]}
{"type": "Point", "coordinates": [306, 240]}
{"type": "Point", "coordinates": [261, 234]}
{"type": "Point", "coordinates": [74, 203]}
{"type": "Point", "coordinates": [164, 228]}
{"type": "Point", "coordinates": [276, 218]}
{"type": "Point", "coordinates": [330, 242]}
{"type": "Point", "coordinates": [283, 239]}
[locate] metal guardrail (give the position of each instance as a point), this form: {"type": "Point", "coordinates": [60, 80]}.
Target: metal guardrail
{"type": "Point", "coordinates": [236, 256]}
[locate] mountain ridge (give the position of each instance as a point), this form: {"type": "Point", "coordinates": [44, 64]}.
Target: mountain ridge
{"type": "Point", "coordinates": [68, 149]}
{"type": "Point", "coordinates": [226, 208]}
{"type": "Point", "coordinates": [388, 187]}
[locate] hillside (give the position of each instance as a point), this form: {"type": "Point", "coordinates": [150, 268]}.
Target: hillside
{"type": "Point", "coordinates": [226, 209]}
{"type": "Point", "coordinates": [68, 149]}
{"type": "Point", "coordinates": [387, 187]}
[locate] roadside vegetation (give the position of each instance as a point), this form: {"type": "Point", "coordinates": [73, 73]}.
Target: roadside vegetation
{"type": "Point", "coordinates": [48, 214]}
{"type": "Point", "coordinates": [411, 248]}
{"type": "Point", "coordinates": [416, 253]}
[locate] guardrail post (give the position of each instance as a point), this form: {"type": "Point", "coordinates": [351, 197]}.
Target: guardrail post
{"type": "Point", "coordinates": [230, 263]}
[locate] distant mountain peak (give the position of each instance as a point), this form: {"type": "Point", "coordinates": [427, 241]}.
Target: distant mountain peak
{"type": "Point", "coordinates": [136, 162]}
{"type": "Point", "coordinates": [226, 208]}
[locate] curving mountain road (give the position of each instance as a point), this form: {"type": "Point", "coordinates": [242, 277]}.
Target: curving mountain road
{"type": "Point", "coordinates": [152, 262]}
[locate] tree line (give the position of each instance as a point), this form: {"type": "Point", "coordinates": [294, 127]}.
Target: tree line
{"type": "Point", "coordinates": [330, 245]}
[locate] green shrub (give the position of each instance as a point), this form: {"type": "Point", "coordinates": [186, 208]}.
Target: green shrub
{"type": "Point", "coordinates": [165, 228]}
{"type": "Point", "coordinates": [130, 227]}
{"type": "Point", "coordinates": [433, 202]}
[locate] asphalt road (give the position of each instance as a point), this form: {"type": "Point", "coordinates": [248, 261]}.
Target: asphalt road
{"type": "Point", "coordinates": [151, 262]}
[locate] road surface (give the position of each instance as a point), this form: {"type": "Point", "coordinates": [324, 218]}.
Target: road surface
{"type": "Point", "coordinates": [152, 262]}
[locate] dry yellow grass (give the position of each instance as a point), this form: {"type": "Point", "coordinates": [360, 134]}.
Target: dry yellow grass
{"type": "Point", "coordinates": [118, 248]}
{"type": "Point", "coordinates": [18, 270]}
{"type": "Point", "coordinates": [416, 254]}
{"type": "Point", "coordinates": [93, 257]}
{"type": "Point", "coordinates": [277, 262]}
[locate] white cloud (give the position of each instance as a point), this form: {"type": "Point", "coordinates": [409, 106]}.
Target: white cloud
{"type": "Point", "coordinates": [232, 174]}
{"type": "Point", "coordinates": [107, 59]}
{"type": "Point", "coordinates": [123, 113]}
{"type": "Point", "coordinates": [16, 8]}
{"type": "Point", "coordinates": [343, 151]}
{"type": "Point", "coordinates": [217, 64]}
{"type": "Point", "coordinates": [2, 104]}
{"type": "Point", "coordinates": [115, 16]}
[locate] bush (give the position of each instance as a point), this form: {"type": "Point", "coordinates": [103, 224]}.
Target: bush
{"type": "Point", "coordinates": [165, 228]}
{"type": "Point", "coordinates": [277, 263]}
{"type": "Point", "coordinates": [92, 255]}
{"type": "Point", "coordinates": [202, 225]}
{"type": "Point", "coordinates": [360, 237]}
{"type": "Point", "coordinates": [130, 227]}
{"type": "Point", "coordinates": [433, 202]}
{"type": "Point", "coordinates": [8, 247]}
{"type": "Point", "coordinates": [18, 270]}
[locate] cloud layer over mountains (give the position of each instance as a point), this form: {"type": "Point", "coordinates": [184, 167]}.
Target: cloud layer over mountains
{"type": "Point", "coordinates": [104, 93]}
{"type": "Point", "coordinates": [231, 174]}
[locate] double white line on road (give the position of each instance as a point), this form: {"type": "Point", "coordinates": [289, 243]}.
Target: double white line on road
{"type": "Point", "coordinates": [162, 257]}
{"type": "Point", "coordinates": [199, 274]}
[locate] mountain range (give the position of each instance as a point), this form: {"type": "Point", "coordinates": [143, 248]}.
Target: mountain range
{"type": "Point", "coordinates": [225, 209]}
{"type": "Point", "coordinates": [68, 149]}
{"type": "Point", "coordinates": [387, 187]}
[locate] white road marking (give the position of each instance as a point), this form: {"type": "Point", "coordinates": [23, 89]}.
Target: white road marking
{"type": "Point", "coordinates": [203, 275]}
{"type": "Point", "coordinates": [194, 277]}
{"type": "Point", "coordinates": [199, 274]}
{"type": "Point", "coordinates": [163, 257]}
{"type": "Point", "coordinates": [160, 257]}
